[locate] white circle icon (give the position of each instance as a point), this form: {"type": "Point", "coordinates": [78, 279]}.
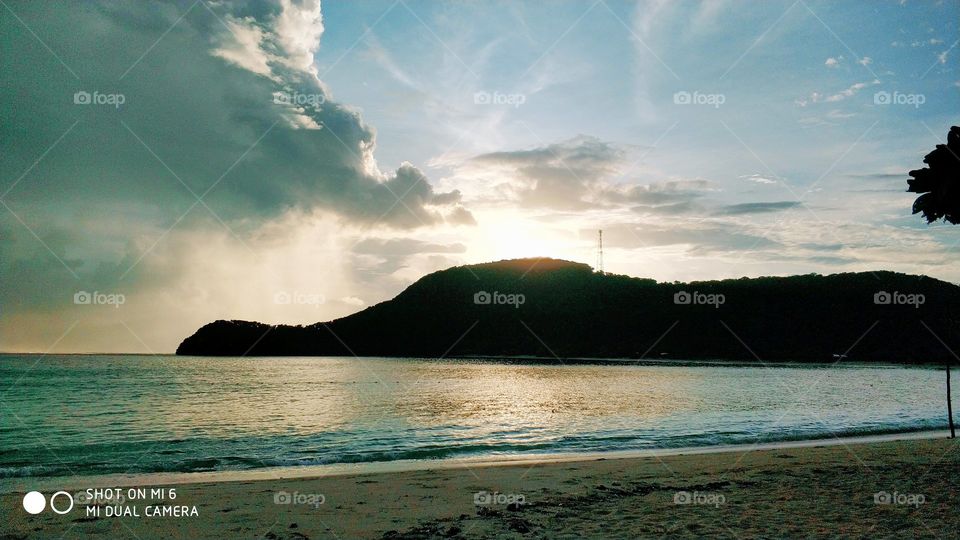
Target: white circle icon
{"type": "Point", "coordinates": [34, 502]}
{"type": "Point", "coordinates": [57, 494]}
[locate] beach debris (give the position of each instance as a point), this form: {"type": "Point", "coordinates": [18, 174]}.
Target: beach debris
{"type": "Point", "coordinates": [517, 506]}
{"type": "Point", "coordinates": [518, 525]}
{"type": "Point", "coordinates": [486, 511]}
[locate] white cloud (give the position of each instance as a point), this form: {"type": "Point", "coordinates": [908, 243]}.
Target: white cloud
{"type": "Point", "coordinates": [849, 91]}
{"type": "Point", "coordinates": [758, 178]}
{"type": "Point", "coordinates": [837, 114]}
{"type": "Point", "coordinates": [298, 29]}
{"type": "Point", "coordinates": [817, 97]}
{"type": "Point", "coordinates": [833, 62]}
{"type": "Point", "coordinates": [865, 61]}
{"type": "Point", "coordinates": [242, 47]}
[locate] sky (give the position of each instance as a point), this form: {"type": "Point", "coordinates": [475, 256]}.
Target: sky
{"type": "Point", "coordinates": [167, 164]}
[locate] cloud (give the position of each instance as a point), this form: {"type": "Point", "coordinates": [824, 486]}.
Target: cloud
{"type": "Point", "coordinates": [670, 209]}
{"type": "Point", "coordinates": [901, 176]}
{"type": "Point", "coordinates": [849, 91]}
{"type": "Point", "coordinates": [379, 257]}
{"type": "Point", "coordinates": [756, 208]}
{"type": "Point", "coordinates": [831, 118]}
{"type": "Point", "coordinates": [699, 237]}
{"type": "Point", "coordinates": [404, 246]}
{"type": "Point", "coordinates": [759, 178]}
{"type": "Point", "coordinates": [828, 260]}
{"type": "Point", "coordinates": [201, 118]}
{"type": "Point", "coordinates": [561, 175]}
{"type": "Point", "coordinates": [298, 28]}
{"type": "Point", "coordinates": [242, 46]}
{"type": "Point", "coordinates": [818, 97]}
{"type": "Point", "coordinates": [583, 173]}
{"type": "Point", "coordinates": [919, 43]}
{"type": "Point", "coordinates": [833, 62]}
{"type": "Point", "coordinates": [865, 61]}
{"type": "Point", "coordinates": [660, 193]}
{"type": "Point", "coordinates": [461, 216]}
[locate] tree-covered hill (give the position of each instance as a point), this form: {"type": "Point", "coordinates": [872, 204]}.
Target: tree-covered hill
{"type": "Point", "coordinates": [553, 308]}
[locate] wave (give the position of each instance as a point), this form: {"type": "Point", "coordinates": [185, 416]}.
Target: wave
{"type": "Point", "coordinates": [159, 460]}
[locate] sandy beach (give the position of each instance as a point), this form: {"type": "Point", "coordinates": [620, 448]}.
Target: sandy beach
{"type": "Point", "coordinates": [851, 489]}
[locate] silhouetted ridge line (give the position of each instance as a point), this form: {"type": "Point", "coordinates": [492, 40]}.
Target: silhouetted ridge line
{"type": "Point", "coordinates": [546, 307]}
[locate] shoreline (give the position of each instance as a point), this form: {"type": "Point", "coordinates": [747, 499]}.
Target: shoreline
{"type": "Point", "coordinates": [21, 484]}
{"type": "Point", "coordinates": [548, 360]}
{"type": "Point", "coordinates": [810, 489]}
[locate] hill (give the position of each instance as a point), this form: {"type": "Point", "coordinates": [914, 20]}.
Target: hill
{"type": "Point", "coordinates": [554, 308]}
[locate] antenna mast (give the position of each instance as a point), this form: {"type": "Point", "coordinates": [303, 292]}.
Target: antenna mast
{"type": "Point", "coordinates": [600, 251]}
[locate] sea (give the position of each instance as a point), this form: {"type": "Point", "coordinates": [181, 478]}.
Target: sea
{"type": "Point", "coordinates": [80, 415]}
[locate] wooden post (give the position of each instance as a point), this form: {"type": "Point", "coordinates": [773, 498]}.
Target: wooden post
{"type": "Point", "coordinates": [953, 433]}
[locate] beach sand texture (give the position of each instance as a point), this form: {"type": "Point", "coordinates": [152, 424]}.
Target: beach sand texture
{"type": "Point", "coordinates": [821, 492]}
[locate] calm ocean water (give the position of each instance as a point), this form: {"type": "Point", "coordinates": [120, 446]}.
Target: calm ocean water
{"type": "Point", "coordinates": [65, 415]}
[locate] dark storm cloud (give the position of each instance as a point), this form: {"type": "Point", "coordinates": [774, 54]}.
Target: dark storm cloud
{"type": "Point", "coordinates": [220, 101]}
{"type": "Point", "coordinates": [195, 111]}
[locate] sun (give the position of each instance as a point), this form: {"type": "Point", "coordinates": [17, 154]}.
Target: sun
{"type": "Point", "coordinates": [505, 235]}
